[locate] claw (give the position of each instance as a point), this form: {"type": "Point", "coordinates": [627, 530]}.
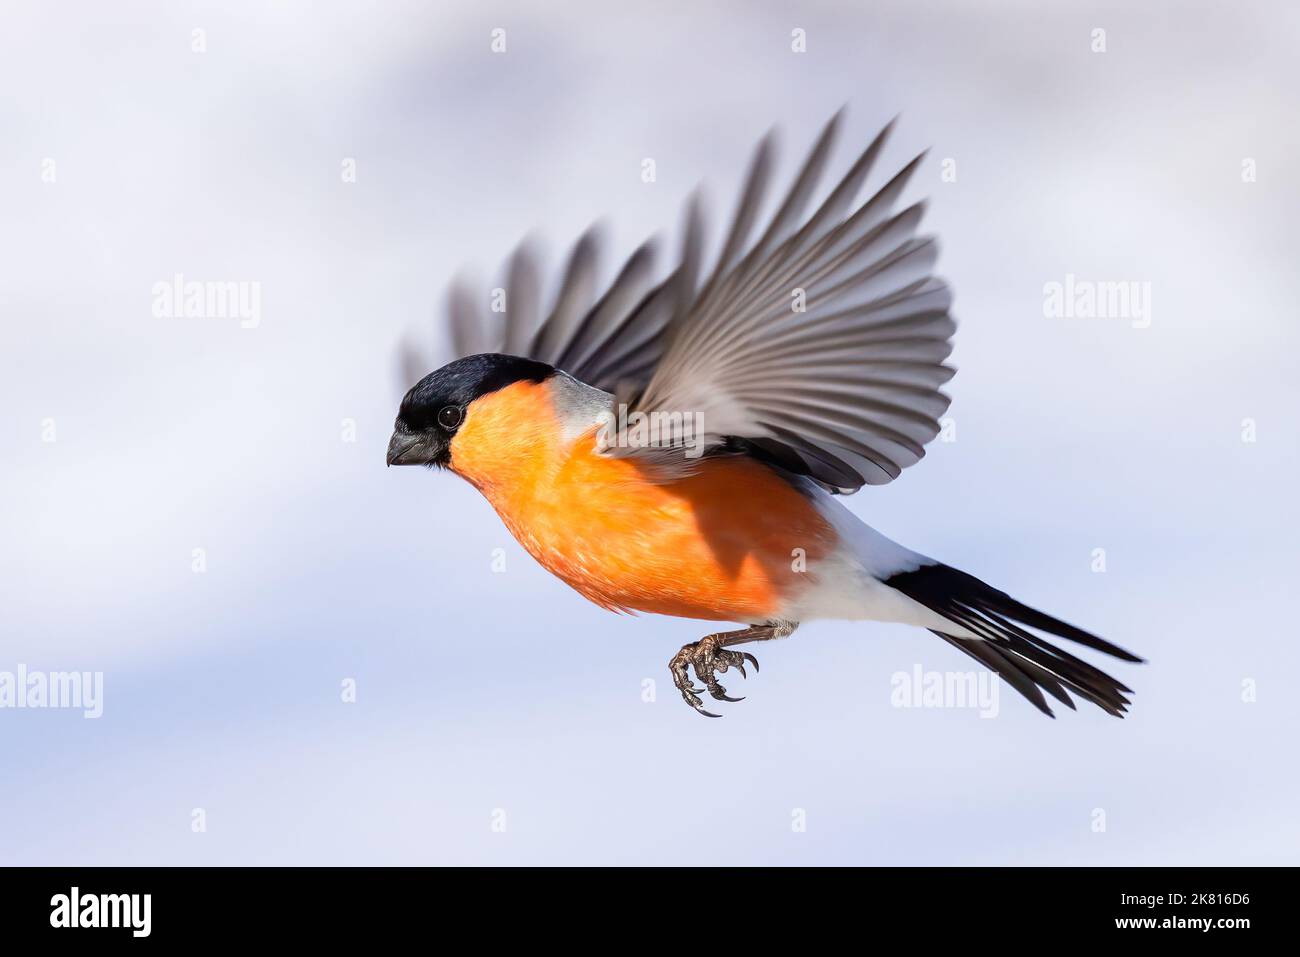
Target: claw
{"type": "Point", "coordinates": [698, 705]}
{"type": "Point", "coordinates": [719, 693]}
{"type": "Point", "coordinates": [737, 659]}
{"type": "Point", "coordinates": [709, 658]}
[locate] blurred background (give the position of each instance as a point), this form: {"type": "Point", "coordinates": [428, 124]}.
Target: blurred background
{"type": "Point", "coordinates": [349, 159]}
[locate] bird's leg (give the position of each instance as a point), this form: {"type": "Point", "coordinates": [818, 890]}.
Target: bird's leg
{"type": "Point", "coordinates": [710, 657]}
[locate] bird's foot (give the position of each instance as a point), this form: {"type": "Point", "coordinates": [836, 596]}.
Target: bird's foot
{"type": "Point", "coordinates": [709, 658]}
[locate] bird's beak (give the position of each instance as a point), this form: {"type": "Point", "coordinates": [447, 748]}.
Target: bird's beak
{"type": "Point", "coordinates": [406, 449]}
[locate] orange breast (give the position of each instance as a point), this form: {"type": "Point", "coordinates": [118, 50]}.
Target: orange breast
{"type": "Point", "coordinates": [725, 542]}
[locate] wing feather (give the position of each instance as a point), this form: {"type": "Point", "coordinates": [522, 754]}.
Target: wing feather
{"type": "Point", "coordinates": [820, 346]}
{"type": "Point", "coordinates": [834, 331]}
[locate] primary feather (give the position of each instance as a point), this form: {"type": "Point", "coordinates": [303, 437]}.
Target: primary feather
{"type": "Point", "coordinates": [820, 346]}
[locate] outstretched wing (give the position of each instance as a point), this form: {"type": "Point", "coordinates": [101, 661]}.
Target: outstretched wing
{"type": "Point", "coordinates": [820, 346]}
{"type": "Point", "coordinates": [823, 345]}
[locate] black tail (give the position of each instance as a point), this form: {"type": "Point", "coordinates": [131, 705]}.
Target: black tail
{"type": "Point", "coordinates": [1025, 660]}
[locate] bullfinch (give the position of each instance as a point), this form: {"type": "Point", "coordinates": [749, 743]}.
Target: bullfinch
{"type": "Point", "coordinates": [681, 446]}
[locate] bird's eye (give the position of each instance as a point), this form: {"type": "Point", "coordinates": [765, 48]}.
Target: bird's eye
{"type": "Point", "coordinates": [449, 417]}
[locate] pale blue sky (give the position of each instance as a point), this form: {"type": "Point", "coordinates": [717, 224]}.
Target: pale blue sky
{"type": "Point", "coordinates": [479, 691]}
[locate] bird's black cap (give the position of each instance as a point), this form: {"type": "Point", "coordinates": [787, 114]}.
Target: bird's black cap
{"type": "Point", "coordinates": [435, 406]}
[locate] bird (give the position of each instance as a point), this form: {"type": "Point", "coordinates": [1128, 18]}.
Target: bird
{"type": "Point", "coordinates": [682, 446]}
